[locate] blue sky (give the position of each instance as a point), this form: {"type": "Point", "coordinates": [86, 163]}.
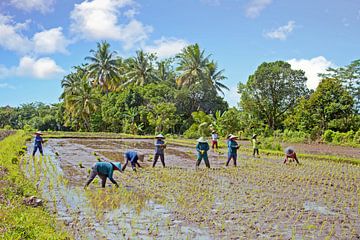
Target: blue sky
{"type": "Point", "coordinates": [40, 40]}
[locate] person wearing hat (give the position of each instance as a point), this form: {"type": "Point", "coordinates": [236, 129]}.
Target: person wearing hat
{"type": "Point", "coordinates": [232, 149]}
{"type": "Point", "coordinates": [104, 170]}
{"type": "Point", "coordinates": [202, 147]}
{"type": "Point", "coordinates": [132, 157]}
{"type": "Point", "coordinates": [214, 137]}
{"type": "Point", "coordinates": [255, 144]}
{"type": "Point", "coordinates": [38, 141]}
{"type": "Point", "coordinates": [159, 149]}
{"type": "Point", "coordinates": [290, 153]}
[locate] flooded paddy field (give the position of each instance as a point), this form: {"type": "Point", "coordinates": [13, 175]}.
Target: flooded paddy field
{"type": "Point", "coordinates": [260, 199]}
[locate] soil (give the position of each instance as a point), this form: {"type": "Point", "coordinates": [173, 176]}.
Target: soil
{"type": "Point", "coordinates": [260, 199]}
{"type": "Point", "coordinates": [5, 133]}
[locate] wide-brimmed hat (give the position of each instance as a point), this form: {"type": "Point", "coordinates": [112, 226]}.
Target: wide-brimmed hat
{"type": "Point", "coordinates": [39, 133]}
{"type": "Point", "coordinates": [202, 140]}
{"type": "Point", "coordinates": [233, 136]}
{"type": "Point", "coordinates": [117, 164]}
{"type": "Point", "coordinates": [254, 135]}
{"type": "Point", "coordinates": [159, 136]}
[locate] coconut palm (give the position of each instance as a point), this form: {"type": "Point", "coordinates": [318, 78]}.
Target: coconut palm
{"type": "Point", "coordinates": [103, 69]}
{"type": "Point", "coordinates": [214, 77]}
{"type": "Point", "coordinates": [140, 69]}
{"type": "Point", "coordinates": [192, 66]}
{"type": "Point", "coordinates": [71, 82]}
{"type": "Point", "coordinates": [82, 103]}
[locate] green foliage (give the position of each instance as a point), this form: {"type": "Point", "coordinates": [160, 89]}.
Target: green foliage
{"type": "Point", "coordinates": [271, 91]}
{"type": "Point", "coordinates": [17, 220]}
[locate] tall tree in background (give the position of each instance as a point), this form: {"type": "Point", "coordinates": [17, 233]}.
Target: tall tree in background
{"type": "Point", "coordinates": [140, 69]}
{"type": "Point", "coordinates": [350, 77]}
{"type": "Point", "coordinates": [192, 65]}
{"type": "Point", "coordinates": [272, 90]}
{"type": "Point", "coordinates": [215, 76]}
{"type": "Point", "coordinates": [103, 70]}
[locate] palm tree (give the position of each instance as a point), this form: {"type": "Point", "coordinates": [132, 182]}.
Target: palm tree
{"type": "Point", "coordinates": [140, 69]}
{"type": "Point", "coordinates": [71, 82]}
{"type": "Point", "coordinates": [214, 76]}
{"type": "Point", "coordinates": [103, 69]}
{"type": "Point", "coordinates": [192, 65]}
{"type": "Point", "coordinates": [82, 103]}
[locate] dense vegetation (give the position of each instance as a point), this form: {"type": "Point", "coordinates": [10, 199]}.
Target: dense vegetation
{"type": "Point", "coordinates": [145, 95]}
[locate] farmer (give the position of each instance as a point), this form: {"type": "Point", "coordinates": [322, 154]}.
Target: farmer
{"type": "Point", "coordinates": [255, 144]}
{"type": "Point", "coordinates": [159, 149]}
{"type": "Point", "coordinates": [104, 170]}
{"type": "Point", "coordinates": [202, 147]}
{"type": "Point", "coordinates": [232, 149]}
{"type": "Point", "coordinates": [38, 141]}
{"type": "Point", "coordinates": [290, 153]}
{"type": "Point", "coordinates": [132, 157]}
{"type": "Point", "coordinates": [214, 137]}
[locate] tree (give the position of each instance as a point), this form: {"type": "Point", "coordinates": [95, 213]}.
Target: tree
{"type": "Point", "coordinates": [215, 76]}
{"type": "Point", "coordinates": [350, 77]}
{"type": "Point", "coordinates": [103, 69]}
{"type": "Point", "coordinates": [140, 69]}
{"type": "Point", "coordinates": [192, 65]}
{"type": "Point", "coordinates": [162, 117]}
{"type": "Point", "coordinates": [272, 90]}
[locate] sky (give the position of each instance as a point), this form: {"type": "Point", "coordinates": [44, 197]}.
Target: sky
{"type": "Point", "coordinates": [41, 40]}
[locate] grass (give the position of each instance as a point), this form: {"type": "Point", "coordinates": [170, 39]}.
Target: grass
{"type": "Point", "coordinates": [17, 220]}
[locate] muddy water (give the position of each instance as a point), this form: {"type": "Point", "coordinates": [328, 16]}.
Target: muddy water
{"type": "Point", "coordinates": [60, 178]}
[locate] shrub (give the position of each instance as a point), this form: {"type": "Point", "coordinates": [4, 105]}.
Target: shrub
{"type": "Point", "coordinates": [328, 136]}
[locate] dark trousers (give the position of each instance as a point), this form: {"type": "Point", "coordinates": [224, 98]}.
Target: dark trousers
{"type": "Point", "coordinates": [36, 147]}
{"type": "Point", "coordinates": [133, 165]}
{"type": "Point", "coordinates": [162, 159]}
{"type": "Point", "coordinates": [256, 150]}
{"type": "Point", "coordinates": [206, 160]}
{"type": "Point", "coordinates": [93, 174]}
{"type": "Point", "coordinates": [231, 156]}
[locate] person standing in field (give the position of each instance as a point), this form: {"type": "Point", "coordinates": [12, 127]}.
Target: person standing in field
{"type": "Point", "coordinates": [132, 157]}
{"type": "Point", "coordinates": [255, 144]}
{"type": "Point", "coordinates": [232, 149]}
{"type": "Point", "coordinates": [104, 170]}
{"type": "Point", "coordinates": [159, 149]}
{"type": "Point", "coordinates": [290, 153]}
{"type": "Point", "coordinates": [38, 141]}
{"type": "Point", "coordinates": [202, 147]}
{"type": "Point", "coordinates": [214, 137]}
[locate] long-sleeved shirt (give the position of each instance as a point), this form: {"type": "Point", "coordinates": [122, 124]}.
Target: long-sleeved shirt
{"type": "Point", "coordinates": [255, 143]}
{"type": "Point", "coordinates": [214, 137]}
{"type": "Point", "coordinates": [106, 169]}
{"type": "Point", "coordinates": [131, 156]}
{"type": "Point", "coordinates": [232, 146]}
{"type": "Point", "coordinates": [158, 148]}
{"type": "Point", "coordinates": [202, 147]}
{"type": "Point", "coordinates": [38, 140]}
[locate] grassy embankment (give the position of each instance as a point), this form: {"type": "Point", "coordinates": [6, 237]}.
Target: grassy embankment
{"type": "Point", "coordinates": [191, 143]}
{"type": "Point", "coordinates": [18, 221]}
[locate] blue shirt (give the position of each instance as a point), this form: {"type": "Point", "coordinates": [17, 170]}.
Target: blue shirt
{"type": "Point", "coordinates": [131, 156]}
{"type": "Point", "coordinates": [202, 146]}
{"type": "Point", "coordinates": [38, 140]}
{"type": "Point", "coordinates": [105, 168]}
{"type": "Point", "coordinates": [232, 146]}
{"type": "Point", "coordinates": [158, 148]}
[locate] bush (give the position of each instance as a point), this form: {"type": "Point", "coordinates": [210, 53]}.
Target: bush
{"type": "Point", "coordinates": [328, 136]}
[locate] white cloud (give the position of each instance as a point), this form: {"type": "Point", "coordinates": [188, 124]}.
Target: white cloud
{"type": "Point", "coordinates": [47, 41]}
{"type": "Point", "coordinates": [282, 32]}
{"type": "Point", "coordinates": [99, 19]}
{"type": "Point", "coordinates": [6, 85]}
{"type": "Point", "coordinates": [232, 96]}
{"type": "Point", "coordinates": [166, 47]}
{"type": "Point", "coordinates": [312, 67]}
{"type": "Point", "coordinates": [29, 5]}
{"type": "Point", "coordinates": [11, 37]}
{"type": "Point", "coordinates": [50, 41]}
{"type": "Point", "coordinates": [42, 68]}
{"type": "Point", "coordinates": [255, 7]}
